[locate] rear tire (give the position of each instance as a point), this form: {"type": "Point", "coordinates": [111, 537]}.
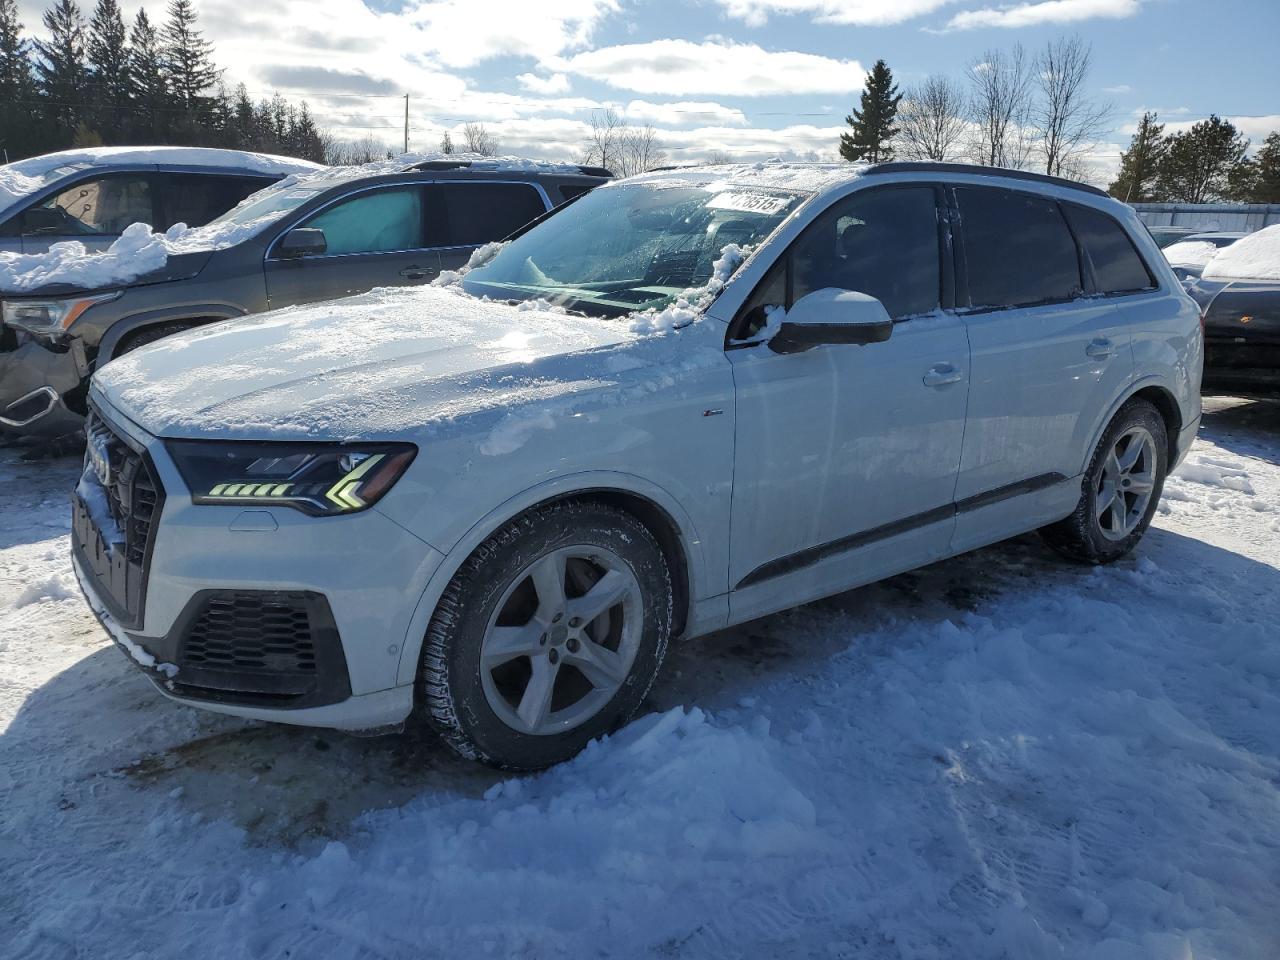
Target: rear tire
{"type": "Point", "coordinates": [549, 636]}
{"type": "Point", "coordinates": [1120, 491]}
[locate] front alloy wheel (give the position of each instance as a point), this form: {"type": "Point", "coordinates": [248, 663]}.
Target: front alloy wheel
{"type": "Point", "coordinates": [548, 636]}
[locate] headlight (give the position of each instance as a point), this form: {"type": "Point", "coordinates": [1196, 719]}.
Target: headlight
{"type": "Point", "coordinates": [319, 479]}
{"type": "Point", "coordinates": [49, 317]}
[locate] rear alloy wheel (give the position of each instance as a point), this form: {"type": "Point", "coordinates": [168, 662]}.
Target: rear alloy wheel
{"type": "Point", "coordinates": [548, 636]}
{"type": "Point", "coordinates": [1120, 491]}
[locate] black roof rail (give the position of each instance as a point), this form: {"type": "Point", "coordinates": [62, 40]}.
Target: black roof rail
{"type": "Point", "coordinates": [439, 165]}
{"type": "Point", "coordinates": [589, 171]}
{"type": "Point", "coordinates": [930, 166]}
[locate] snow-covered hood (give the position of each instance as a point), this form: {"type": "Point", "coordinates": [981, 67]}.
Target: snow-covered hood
{"type": "Point", "coordinates": [387, 363]}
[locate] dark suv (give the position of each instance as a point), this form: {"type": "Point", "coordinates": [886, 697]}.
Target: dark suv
{"type": "Point", "coordinates": [334, 233]}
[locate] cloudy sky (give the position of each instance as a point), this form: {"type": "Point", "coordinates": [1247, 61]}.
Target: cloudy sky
{"type": "Point", "coordinates": [753, 78]}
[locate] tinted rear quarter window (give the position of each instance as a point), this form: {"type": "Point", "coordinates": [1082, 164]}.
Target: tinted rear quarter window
{"type": "Point", "coordinates": [480, 212]}
{"type": "Point", "coordinates": [195, 199]}
{"type": "Point", "coordinates": [1117, 265]}
{"type": "Point", "coordinates": [1017, 247]}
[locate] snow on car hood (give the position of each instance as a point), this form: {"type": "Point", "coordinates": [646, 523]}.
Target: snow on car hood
{"type": "Point", "coordinates": [1255, 257]}
{"type": "Point", "coordinates": [369, 366]}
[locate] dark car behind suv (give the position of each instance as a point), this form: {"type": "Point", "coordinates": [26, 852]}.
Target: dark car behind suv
{"type": "Point", "coordinates": [309, 238]}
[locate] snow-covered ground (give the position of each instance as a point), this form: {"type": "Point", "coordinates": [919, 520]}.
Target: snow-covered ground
{"type": "Point", "coordinates": [1002, 755]}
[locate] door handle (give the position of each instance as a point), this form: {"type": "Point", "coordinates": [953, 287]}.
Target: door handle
{"type": "Point", "coordinates": [1100, 349]}
{"type": "Point", "coordinates": [940, 374]}
{"type": "Point", "coordinates": [414, 273]}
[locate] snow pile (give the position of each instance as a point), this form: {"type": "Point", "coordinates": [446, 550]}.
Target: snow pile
{"type": "Point", "coordinates": [479, 257]}
{"type": "Point", "coordinates": [689, 304]}
{"type": "Point", "coordinates": [781, 174]}
{"type": "Point", "coordinates": [1190, 254]}
{"type": "Point", "coordinates": [1255, 257]}
{"type": "Point", "coordinates": [138, 251]}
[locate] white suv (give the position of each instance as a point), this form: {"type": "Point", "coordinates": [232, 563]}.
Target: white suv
{"type": "Point", "coordinates": [686, 400]}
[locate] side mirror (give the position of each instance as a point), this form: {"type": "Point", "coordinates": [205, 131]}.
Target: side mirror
{"type": "Point", "coordinates": [302, 242]}
{"type": "Point", "coordinates": [42, 220]}
{"type": "Point", "coordinates": [832, 316]}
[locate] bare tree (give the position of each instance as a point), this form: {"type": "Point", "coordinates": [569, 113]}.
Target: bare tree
{"type": "Point", "coordinates": [641, 151]}
{"type": "Point", "coordinates": [604, 143]}
{"type": "Point", "coordinates": [1000, 107]}
{"type": "Point", "coordinates": [1066, 119]}
{"type": "Point", "coordinates": [345, 153]}
{"type": "Point", "coordinates": [931, 120]}
{"type": "Point", "coordinates": [719, 156]}
{"type": "Point", "coordinates": [480, 140]}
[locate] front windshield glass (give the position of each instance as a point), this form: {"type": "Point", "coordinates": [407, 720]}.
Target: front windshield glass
{"type": "Point", "coordinates": [633, 246]}
{"type": "Point", "coordinates": [268, 205]}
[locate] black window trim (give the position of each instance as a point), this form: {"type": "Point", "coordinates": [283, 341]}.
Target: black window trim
{"type": "Point", "coordinates": [969, 310]}
{"type": "Point", "coordinates": [947, 264]}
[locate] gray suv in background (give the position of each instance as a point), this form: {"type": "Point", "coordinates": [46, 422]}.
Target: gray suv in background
{"type": "Point", "coordinates": [337, 232]}
{"type": "Point", "coordinates": [91, 195]}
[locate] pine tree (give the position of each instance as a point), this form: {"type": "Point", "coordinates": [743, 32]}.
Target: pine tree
{"type": "Point", "coordinates": [187, 57]}
{"type": "Point", "coordinates": [1258, 180]}
{"type": "Point", "coordinates": [307, 142]}
{"type": "Point", "coordinates": [873, 124]}
{"type": "Point", "coordinates": [150, 89]}
{"type": "Point", "coordinates": [109, 57]}
{"type": "Point", "coordinates": [19, 134]}
{"type": "Point", "coordinates": [1140, 164]}
{"type": "Point", "coordinates": [446, 143]}
{"type": "Point", "coordinates": [1200, 163]}
{"type": "Point", "coordinates": [61, 66]}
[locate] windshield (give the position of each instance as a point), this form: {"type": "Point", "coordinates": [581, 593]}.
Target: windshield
{"type": "Point", "coordinates": [632, 246]}
{"type": "Point", "coordinates": [268, 205]}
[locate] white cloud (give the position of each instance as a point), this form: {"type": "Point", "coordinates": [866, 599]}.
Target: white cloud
{"type": "Point", "coordinates": [462, 33]}
{"type": "Point", "coordinates": [682, 113]}
{"type": "Point", "coordinates": [548, 86]}
{"type": "Point", "coordinates": [1048, 11]}
{"type": "Point", "coordinates": [1118, 88]}
{"type": "Point", "coordinates": [859, 12]}
{"type": "Point", "coordinates": [677, 67]}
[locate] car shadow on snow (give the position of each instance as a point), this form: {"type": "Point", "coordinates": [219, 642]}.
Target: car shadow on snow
{"type": "Point", "coordinates": [286, 785]}
{"type": "Point", "coordinates": [1245, 427]}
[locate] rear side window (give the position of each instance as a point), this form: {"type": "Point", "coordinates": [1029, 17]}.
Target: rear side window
{"type": "Point", "coordinates": [480, 212]}
{"type": "Point", "coordinates": [879, 242]}
{"type": "Point", "coordinates": [1117, 266]}
{"type": "Point", "coordinates": [378, 221]}
{"type": "Point", "coordinates": [1018, 250]}
{"type": "Point", "coordinates": [100, 207]}
{"type": "Point", "coordinates": [194, 199]}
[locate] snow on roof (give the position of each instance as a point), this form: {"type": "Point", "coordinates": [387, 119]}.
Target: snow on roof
{"type": "Point", "coordinates": [1255, 257]}
{"type": "Point", "coordinates": [781, 174]}
{"type": "Point", "coordinates": [1190, 253]}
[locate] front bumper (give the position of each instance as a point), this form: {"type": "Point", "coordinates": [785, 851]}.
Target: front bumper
{"type": "Point", "coordinates": [34, 382]}
{"type": "Point", "coordinates": [356, 581]}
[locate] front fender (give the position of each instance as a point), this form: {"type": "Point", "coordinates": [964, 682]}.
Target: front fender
{"type": "Point", "coordinates": [585, 483]}
{"type": "Point", "coordinates": [199, 313]}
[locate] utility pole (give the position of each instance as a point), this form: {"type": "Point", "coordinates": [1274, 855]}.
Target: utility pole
{"type": "Point", "coordinates": [406, 123]}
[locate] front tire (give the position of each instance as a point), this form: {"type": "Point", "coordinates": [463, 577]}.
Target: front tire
{"type": "Point", "coordinates": [549, 636]}
{"type": "Point", "coordinates": [1121, 488]}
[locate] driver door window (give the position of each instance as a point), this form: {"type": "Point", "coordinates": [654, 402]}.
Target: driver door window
{"type": "Point", "coordinates": [380, 221]}
{"type": "Point", "coordinates": [101, 207]}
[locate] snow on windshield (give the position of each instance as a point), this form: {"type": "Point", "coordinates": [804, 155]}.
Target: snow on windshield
{"type": "Point", "coordinates": [1255, 257]}
{"type": "Point", "coordinates": [634, 248]}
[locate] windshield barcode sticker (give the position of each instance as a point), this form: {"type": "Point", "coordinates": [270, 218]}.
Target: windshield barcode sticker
{"type": "Point", "coordinates": [749, 203]}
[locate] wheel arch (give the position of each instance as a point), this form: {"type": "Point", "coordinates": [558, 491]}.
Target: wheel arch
{"type": "Point", "coordinates": [1160, 396]}
{"type": "Point", "coordinates": [197, 315]}
{"type": "Point", "coordinates": [650, 504]}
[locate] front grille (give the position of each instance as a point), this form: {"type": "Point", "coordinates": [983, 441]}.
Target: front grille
{"type": "Point", "coordinates": [254, 632]}
{"type": "Point", "coordinates": [133, 493]}
{"type": "Point", "coordinates": [115, 510]}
